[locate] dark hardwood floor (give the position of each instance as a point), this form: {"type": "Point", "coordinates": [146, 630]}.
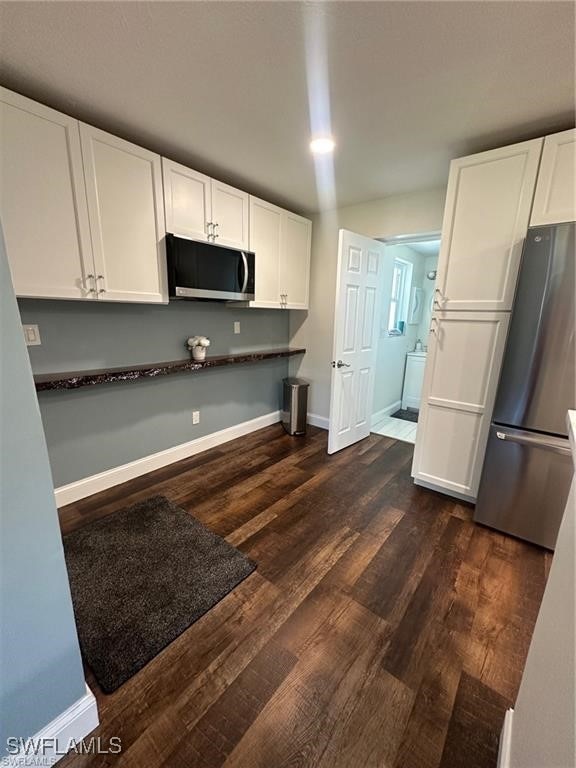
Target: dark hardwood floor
{"type": "Point", "coordinates": [382, 628]}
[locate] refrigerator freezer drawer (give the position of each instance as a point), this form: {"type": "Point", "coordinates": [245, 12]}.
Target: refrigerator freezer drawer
{"type": "Point", "coordinates": [525, 484]}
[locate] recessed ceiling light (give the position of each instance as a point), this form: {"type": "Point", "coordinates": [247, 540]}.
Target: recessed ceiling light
{"type": "Point", "coordinates": [322, 145]}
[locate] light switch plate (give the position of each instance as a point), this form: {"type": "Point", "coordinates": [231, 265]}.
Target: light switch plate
{"type": "Point", "coordinates": [195, 417]}
{"type": "Point", "coordinates": [32, 335]}
{"type": "Point", "coordinates": [237, 326]}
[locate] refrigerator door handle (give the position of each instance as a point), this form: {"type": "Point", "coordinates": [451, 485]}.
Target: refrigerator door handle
{"type": "Point", "coordinates": [555, 444]}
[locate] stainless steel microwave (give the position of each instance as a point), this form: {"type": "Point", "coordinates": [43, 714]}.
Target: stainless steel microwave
{"type": "Point", "coordinates": [207, 271]}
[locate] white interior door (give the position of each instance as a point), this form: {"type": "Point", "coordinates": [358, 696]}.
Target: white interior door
{"type": "Point", "coordinates": [364, 275]}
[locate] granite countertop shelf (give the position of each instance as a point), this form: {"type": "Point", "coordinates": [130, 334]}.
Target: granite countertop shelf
{"type": "Point", "coordinates": [75, 379]}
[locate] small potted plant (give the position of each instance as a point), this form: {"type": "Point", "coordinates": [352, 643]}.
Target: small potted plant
{"type": "Point", "coordinates": [198, 345]}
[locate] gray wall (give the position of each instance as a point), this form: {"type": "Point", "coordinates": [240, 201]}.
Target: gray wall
{"type": "Point", "coordinates": [40, 668]}
{"type": "Point", "coordinates": [93, 429]}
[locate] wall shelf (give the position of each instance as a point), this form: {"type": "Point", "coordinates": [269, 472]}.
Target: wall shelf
{"type": "Point", "coordinates": [76, 379]}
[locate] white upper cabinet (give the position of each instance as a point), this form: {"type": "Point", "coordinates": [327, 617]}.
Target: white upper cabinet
{"type": "Point", "coordinates": [187, 201]}
{"type": "Point", "coordinates": [230, 215]}
{"type": "Point", "coordinates": [462, 370]}
{"type": "Point", "coordinates": [43, 201]}
{"type": "Point", "coordinates": [295, 261]}
{"type": "Point", "coordinates": [281, 241]}
{"type": "Point", "coordinates": [85, 214]}
{"type": "Point", "coordinates": [488, 204]}
{"type": "Point", "coordinates": [124, 191]}
{"type": "Point", "coordinates": [555, 198]}
{"type": "Point", "coordinates": [204, 209]}
{"type": "Point", "coordinates": [266, 229]}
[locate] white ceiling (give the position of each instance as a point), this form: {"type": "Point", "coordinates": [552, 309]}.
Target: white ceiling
{"type": "Point", "coordinates": [223, 86]}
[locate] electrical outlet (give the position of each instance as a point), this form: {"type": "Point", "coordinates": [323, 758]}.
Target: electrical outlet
{"type": "Point", "coordinates": [195, 417]}
{"type": "Point", "coordinates": [32, 335]}
{"type": "Point", "coordinates": [237, 326]}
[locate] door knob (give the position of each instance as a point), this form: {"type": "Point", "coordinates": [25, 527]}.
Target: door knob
{"type": "Point", "coordinates": [340, 364]}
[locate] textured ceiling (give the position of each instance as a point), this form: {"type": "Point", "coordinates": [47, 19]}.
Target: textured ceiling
{"type": "Point", "coordinates": [232, 88]}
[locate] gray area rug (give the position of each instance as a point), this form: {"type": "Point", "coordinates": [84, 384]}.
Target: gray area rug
{"type": "Point", "coordinates": [406, 415]}
{"type": "Point", "coordinates": [141, 576]}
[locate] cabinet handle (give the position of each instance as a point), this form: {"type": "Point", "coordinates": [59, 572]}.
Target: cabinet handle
{"type": "Point", "coordinates": [208, 233]}
{"type": "Point", "coordinates": [100, 277]}
{"type": "Point", "coordinates": [438, 302]}
{"type": "Point", "coordinates": [102, 290]}
{"type": "Point", "coordinates": [90, 277]}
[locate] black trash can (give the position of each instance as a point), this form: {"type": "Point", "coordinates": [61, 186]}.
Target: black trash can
{"type": "Point", "coordinates": [294, 406]}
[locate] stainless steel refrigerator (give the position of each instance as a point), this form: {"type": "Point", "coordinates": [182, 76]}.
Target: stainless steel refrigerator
{"type": "Point", "coordinates": [528, 467]}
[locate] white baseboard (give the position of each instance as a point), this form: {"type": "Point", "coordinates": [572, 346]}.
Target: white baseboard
{"type": "Point", "coordinates": [54, 740]}
{"type": "Point", "coordinates": [381, 415]}
{"type": "Point", "coordinates": [66, 494]}
{"type": "Point", "coordinates": [505, 741]}
{"type": "Point", "coordinates": [318, 421]}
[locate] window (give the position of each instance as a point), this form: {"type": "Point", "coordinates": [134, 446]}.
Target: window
{"type": "Point", "coordinates": [397, 314]}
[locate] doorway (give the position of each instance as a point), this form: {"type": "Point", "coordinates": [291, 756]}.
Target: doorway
{"type": "Point", "coordinates": [382, 314]}
{"type": "Point", "coordinates": [405, 317]}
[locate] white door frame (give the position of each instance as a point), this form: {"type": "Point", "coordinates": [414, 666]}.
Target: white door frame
{"type": "Point", "coordinates": [387, 240]}
{"type": "Point", "coordinates": [391, 240]}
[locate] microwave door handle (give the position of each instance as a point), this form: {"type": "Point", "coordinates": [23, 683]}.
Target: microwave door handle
{"type": "Point", "coordinates": [245, 262]}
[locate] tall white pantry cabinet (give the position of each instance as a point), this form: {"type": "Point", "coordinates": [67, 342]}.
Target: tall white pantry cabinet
{"type": "Point", "coordinates": [492, 198]}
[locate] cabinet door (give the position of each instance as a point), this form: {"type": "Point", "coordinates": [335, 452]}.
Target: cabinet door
{"type": "Point", "coordinates": [230, 215]}
{"type": "Point", "coordinates": [187, 200]}
{"type": "Point", "coordinates": [124, 188]}
{"type": "Point", "coordinates": [43, 201]}
{"type": "Point", "coordinates": [555, 198]}
{"type": "Point", "coordinates": [485, 220]}
{"type": "Point", "coordinates": [462, 370]}
{"type": "Point", "coordinates": [266, 225]}
{"type": "Point", "coordinates": [295, 261]}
